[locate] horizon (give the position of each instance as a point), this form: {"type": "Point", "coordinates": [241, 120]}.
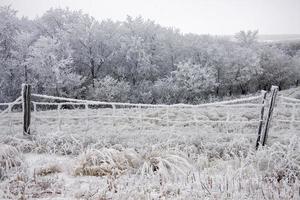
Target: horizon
{"type": "Point", "coordinates": [215, 17]}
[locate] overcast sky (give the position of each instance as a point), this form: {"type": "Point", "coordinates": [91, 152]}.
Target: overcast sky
{"type": "Point", "coordinates": [195, 16]}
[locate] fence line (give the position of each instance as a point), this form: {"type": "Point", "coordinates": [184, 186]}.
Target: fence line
{"type": "Point", "coordinates": [149, 105]}
{"type": "Point", "coordinates": [87, 103]}
{"type": "Point", "coordinates": [145, 105]}
{"type": "Point", "coordinates": [140, 107]}
{"type": "Point", "coordinates": [149, 118]}
{"type": "Point", "coordinates": [294, 105]}
{"type": "Point", "coordinates": [287, 121]}
{"type": "Point", "coordinates": [167, 117]}
{"type": "Point", "coordinates": [290, 104]}
{"type": "Point", "coordinates": [164, 119]}
{"type": "Point", "coordinates": [15, 102]}
{"type": "Point", "coordinates": [289, 99]}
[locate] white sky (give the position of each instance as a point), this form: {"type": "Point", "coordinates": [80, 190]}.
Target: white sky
{"type": "Point", "coordinates": [195, 16]}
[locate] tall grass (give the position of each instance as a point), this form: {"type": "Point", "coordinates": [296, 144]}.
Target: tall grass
{"type": "Point", "coordinates": [151, 166]}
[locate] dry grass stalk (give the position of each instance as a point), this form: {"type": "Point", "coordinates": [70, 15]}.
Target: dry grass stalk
{"type": "Point", "coordinates": [46, 170]}
{"type": "Point", "coordinates": [102, 162]}
{"type": "Point", "coordinates": [9, 157]}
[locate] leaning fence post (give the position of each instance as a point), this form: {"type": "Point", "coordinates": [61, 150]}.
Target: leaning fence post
{"type": "Point", "coordinates": [26, 95]}
{"type": "Point", "coordinates": [272, 102]}
{"type": "Point", "coordinates": [264, 95]}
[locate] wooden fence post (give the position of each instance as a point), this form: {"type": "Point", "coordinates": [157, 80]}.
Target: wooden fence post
{"type": "Point", "coordinates": [264, 95]}
{"type": "Point", "coordinates": [272, 102]}
{"type": "Point", "coordinates": [26, 96]}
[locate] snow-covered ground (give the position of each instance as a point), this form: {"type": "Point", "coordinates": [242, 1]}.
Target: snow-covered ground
{"type": "Point", "coordinates": [95, 156]}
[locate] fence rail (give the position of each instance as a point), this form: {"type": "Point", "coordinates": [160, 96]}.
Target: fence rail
{"type": "Point", "coordinates": [144, 105]}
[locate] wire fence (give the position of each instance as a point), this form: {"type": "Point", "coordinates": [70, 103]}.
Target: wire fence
{"type": "Point", "coordinates": [66, 115]}
{"type": "Point", "coordinates": [287, 114]}
{"type": "Point", "coordinates": [11, 117]}
{"type": "Point", "coordinates": [57, 114]}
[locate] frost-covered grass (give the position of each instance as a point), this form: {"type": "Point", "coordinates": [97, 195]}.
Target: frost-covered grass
{"type": "Point", "coordinates": [120, 159]}
{"type": "Point", "coordinates": [10, 158]}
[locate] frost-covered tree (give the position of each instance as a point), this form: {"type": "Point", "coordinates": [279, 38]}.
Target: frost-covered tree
{"type": "Point", "coordinates": [139, 66]}
{"type": "Point", "coordinates": [110, 89]}
{"type": "Point", "coordinates": [277, 68]}
{"type": "Point", "coordinates": [9, 69]}
{"type": "Point", "coordinates": [194, 81]}
{"type": "Point", "coordinates": [71, 52]}
{"type": "Point", "coordinates": [165, 91]}
{"type": "Point", "coordinates": [246, 38]}
{"type": "Point", "coordinates": [244, 68]}
{"type": "Point", "coordinates": [24, 41]}
{"type": "Point", "coordinates": [50, 62]}
{"type": "Point", "coordinates": [89, 48]}
{"type": "Point", "coordinates": [296, 68]}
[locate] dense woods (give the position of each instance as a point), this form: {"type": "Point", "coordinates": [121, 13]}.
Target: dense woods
{"type": "Point", "coordinates": [69, 53]}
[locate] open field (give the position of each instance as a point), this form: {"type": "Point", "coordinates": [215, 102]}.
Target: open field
{"type": "Point", "coordinates": [190, 154]}
{"type": "Point", "coordinates": [153, 100]}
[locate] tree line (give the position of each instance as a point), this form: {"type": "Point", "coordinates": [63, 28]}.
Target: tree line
{"type": "Point", "coordinates": [71, 54]}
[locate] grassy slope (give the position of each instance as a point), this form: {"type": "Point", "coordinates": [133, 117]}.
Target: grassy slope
{"type": "Point", "coordinates": [292, 92]}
